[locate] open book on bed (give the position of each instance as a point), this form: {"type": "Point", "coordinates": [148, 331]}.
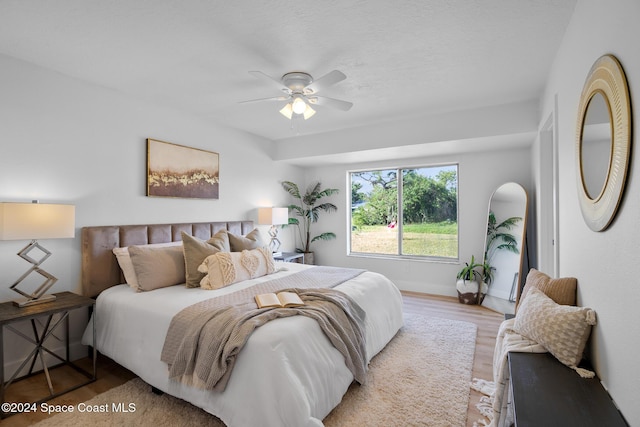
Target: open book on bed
{"type": "Point", "coordinates": [281, 299]}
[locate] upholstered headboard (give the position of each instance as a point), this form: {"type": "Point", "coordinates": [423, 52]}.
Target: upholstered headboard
{"type": "Point", "coordinates": [100, 269]}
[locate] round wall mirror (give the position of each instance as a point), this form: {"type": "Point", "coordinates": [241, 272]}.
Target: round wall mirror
{"type": "Point", "coordinates": [603, 142]}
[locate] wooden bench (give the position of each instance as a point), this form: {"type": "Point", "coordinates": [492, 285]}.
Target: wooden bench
{"type": "Point", "coordinates": [544, 392]}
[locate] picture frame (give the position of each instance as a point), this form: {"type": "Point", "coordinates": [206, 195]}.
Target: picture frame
{"type": "Point", "coordinates": [181, 172]}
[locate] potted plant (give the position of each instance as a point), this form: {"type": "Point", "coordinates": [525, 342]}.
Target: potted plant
{"type": "Point", "coordinates": [471, 285]}
{"type": "Point", "coordinates": [308, 210]}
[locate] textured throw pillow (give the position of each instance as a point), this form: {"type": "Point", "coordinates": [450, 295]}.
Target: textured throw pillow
{"type": "Point", "coordinates": [252, 240]}
{"type": "Point", "coordinates": [124, 261]}
{"type": "Point", "coordinates": [563, 330]}
{"type": "Point", "coordinates": [225, 268]}
{"type": "Point", "coordinates": [157, 267]}
{"type": "Point", "coordinates": [562, 290]}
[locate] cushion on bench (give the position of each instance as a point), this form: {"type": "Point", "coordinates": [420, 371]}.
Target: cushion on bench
{"type": "Point", "coordinates": [563, 330]}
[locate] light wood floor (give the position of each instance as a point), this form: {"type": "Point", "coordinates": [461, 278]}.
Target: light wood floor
{"type": "Point", "coordinates": [110, 374]}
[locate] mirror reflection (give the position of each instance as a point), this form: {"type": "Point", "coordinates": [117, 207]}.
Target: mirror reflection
{"type": "Point", "coordinates": [595, 149]}
{"type": "Point", "coordinates": [504, 245]}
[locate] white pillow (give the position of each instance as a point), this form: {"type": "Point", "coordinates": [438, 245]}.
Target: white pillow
{"type": "Point", "coordinates": [124, 261]}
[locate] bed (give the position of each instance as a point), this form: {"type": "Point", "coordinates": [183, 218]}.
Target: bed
{"type": "Point", "coordinates": [288, 373]}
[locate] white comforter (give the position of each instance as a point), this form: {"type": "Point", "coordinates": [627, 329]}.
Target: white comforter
{"type": "Point", "coordinates": [288, 374]}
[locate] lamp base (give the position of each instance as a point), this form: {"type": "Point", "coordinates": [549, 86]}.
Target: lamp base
{"type": "Point", "coordinates": [26, 302]}
{"type": "Point", "coordinates": [274, 243]}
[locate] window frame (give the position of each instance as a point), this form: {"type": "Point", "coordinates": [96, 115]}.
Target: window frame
{"type": "Point", "coordinates": [400, 187]}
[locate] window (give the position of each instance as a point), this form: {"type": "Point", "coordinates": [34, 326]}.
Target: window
{"type": "Point", "coordinates": [405, 212]}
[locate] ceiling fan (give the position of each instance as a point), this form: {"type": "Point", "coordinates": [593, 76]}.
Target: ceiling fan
{"type": "Point", "coordinates": [300, 92]}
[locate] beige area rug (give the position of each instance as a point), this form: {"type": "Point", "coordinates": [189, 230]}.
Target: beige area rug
{"type": "Point", "coordinates": [420, 379]}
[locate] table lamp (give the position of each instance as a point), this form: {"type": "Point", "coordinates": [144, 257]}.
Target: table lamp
{"type": "Point", "coordinates": [32, 221]}
{"type": "Point", "coordinates": [273, 217]}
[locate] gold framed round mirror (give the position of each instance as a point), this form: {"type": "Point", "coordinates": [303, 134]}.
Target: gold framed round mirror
{"type": "Point", "coordinates": [603, 142]}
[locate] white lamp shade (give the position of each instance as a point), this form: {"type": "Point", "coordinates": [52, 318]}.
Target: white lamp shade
{"type": "Point", "coordinates": [273, 216]}
{"type": "Point", "coordinates": [31, 221]}
{"type": "Point", "coordinates": [287, 111]}
{"type": "Point", "coordinates": [308, 112]}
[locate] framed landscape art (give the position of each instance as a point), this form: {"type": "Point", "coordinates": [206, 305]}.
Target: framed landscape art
{"type": "Point", "coordinates": [177, 171]}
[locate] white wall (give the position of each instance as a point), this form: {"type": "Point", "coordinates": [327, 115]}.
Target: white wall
{"type": "Point", "coordinates": [64, 141]}
{"type": "Point", "coordinates": [604, 262]}
{"type": "Point", "coordinates": [480, 173]}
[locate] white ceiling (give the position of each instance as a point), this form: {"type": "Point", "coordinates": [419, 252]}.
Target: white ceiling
{"type": "Point", "coordinates": [402, 58]}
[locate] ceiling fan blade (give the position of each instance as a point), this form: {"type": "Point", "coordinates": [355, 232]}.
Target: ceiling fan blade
{"type": "Point", "coordinates": [331, 102]}
{"type": "Point", "coordinates": [325, 81]}
{"type": "Point", "coordinates": [266, 77]}
{"type": "Point", "coordinates": [273, 98]}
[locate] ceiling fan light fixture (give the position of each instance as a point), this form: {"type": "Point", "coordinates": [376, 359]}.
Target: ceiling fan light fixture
{"type": "Point", "coordinates": [308, 112]}
{"type": "Point", "coordinates": [287, 111]}
{"type": "Point", "coordinates": [301, 90]}
{"type": "Point", "coordinates": [298, 105]}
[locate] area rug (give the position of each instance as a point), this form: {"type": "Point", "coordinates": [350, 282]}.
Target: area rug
{"type": "Point", "coordinates": [421, 378]}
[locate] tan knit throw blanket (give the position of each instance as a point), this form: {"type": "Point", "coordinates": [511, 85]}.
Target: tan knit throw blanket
{"type": "Point", "coordinates": [204, 339]}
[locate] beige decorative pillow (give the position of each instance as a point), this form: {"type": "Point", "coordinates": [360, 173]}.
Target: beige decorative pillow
{"type": "Point", "coordinates": [157, 267]}
{"type": "Point", "coordinates": [195, 251]}
{"type": "Point", "coordinates": [563, 330]}
{"type": "Point", "coordinates": [225, 268]}
{"type": "Point", "coordinates": [561, 290]}
{"type": "Point", "coordinates": [220, 241]}
{"type": "Point", "coordinates": [124, 261]}
{"type": "Point", "coordinates": [252, 240]}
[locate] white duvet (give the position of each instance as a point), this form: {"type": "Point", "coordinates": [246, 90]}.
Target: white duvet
{"type": "Point", "coordinates": [288, 373]}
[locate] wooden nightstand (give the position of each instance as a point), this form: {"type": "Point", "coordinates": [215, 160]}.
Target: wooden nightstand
{"type": "Point", "coordinates": [290, 257]}
{"type": "Point", "coordinates": [64, 303]}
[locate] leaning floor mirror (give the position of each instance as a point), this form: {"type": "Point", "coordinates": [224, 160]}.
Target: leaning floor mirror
{"type": "Point", "coordinates": [505, 246]}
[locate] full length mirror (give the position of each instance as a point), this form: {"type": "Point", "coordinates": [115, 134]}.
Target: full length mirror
{"type": "Point", "coordinates": [504, 245]}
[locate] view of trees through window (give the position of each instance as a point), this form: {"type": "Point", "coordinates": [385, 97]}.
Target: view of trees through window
{"type": "Point", "coordinates": [412, 211]}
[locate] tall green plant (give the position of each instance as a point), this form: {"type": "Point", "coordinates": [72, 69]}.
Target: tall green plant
{"type": "Point", "coordinates": [309, 210]}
